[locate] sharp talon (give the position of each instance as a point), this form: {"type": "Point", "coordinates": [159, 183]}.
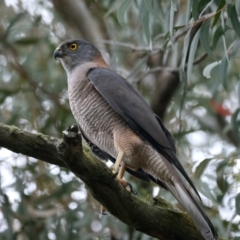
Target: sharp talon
{"type": "Point", "coordinates": [134, 192]}
{"type": "Point", "coordinates": [129, 187]}
{"type": "Point", "coordinates": [104, 213]}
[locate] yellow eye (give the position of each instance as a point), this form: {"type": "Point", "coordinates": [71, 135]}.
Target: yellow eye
{"type": "Point", "coordinates": [73, 46]}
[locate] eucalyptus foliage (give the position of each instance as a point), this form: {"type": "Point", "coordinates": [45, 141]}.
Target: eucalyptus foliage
{"type": "Point", "coordinates": [183, 57]}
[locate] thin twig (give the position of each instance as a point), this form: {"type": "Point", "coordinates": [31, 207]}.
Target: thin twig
{"type": "Point", "coordinates": [170, 69]}
{"type": "Point", "coordinates": [157, 69]}
{"type": "Point", "coordinates": [200, 58]}
{"type": "Point", "coordinates": [130, 46]}
{"type": "Point", "coordinates": [140, 63]}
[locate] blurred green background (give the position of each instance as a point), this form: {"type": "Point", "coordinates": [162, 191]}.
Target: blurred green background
{"type": "Point", "coordinates": [181, 55]}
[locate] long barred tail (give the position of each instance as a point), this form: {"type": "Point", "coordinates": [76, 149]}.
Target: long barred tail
{"type": "Point", "coordinates": [192, 206]}
{"type": "Point", "coordinates": [172, 175]}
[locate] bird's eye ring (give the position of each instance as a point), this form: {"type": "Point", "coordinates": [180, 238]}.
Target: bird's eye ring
{"type": "Point", "coordinates": [73, 46]}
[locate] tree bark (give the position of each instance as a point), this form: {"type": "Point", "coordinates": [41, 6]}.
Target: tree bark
{"type": "Point", "coordinates": [154, 217]}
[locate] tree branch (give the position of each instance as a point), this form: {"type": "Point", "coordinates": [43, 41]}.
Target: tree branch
{"type": "Point", "coordinates": [155, 218]}
{"type": "Point", "coordinates": [77, 15]}
{"type": "Point", "coordinates": [132, 47]}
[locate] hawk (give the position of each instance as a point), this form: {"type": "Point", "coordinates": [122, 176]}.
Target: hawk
{"type": "Point", "coordinates": [117, 122]}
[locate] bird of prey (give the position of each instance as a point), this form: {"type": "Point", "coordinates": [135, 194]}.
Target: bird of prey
{"type": "Point", "coordinates": [119, 125]}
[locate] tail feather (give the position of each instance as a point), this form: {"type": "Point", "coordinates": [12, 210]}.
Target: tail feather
{"type": "Point", "coordinates": [175, 179]}
{"type": "Point", "coordinates": [192, 206]}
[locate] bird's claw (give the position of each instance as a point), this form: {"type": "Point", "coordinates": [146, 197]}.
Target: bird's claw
{"type": "Point", "coordinates": [103, 211]}
{"type": "Point", "coordinates": [127, 186]}
{"type": "Point", "coordinates": [130, 188]}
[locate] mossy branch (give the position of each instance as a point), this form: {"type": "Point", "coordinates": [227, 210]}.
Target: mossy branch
{"type": "Point", "coordinates": [153, 217]}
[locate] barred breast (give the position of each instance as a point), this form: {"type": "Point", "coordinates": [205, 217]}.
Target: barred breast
{"type": "Point", "coordinates": [95, 116]}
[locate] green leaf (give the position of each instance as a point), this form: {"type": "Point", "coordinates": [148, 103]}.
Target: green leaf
{"type": "Point", "coordinates": [218, 33]}
{"type": "Point", "coordinates": [171, 20]}
{"type": "Point", "coordinates": [222, 165]}
{"type": "Point", "coordinates": [225, 62]}
{"type": "Point", "coordinates": [145, 22]}
{"type": "Point", "coordinates": [149, 6]}
{"type": "Point", "coordinates": [207, 70]}
{"type": "Point", "coordinates": [202, 4]}
{"type": "Point", "coordinates": [215, 78]}
{"type": "Point", "coordinates": [195, 9]}
{"type": "Point", "coordinates": [221, 179]}
{"type": "Point", "coordinates": [188, 12]}
{"type": "Point", "coordinates": [192, 52]}
{"type": "Point", "coordinates": [223, 71]}
{"type": "Point", "coordinates": [121, 12]}
{"type": "Point", "coordinates": [221, 182]}
{"type": "Point", "coordinates": [12, 23]}
{"type": "Point", "coordinates": [26, 41]}
{"type": "Point", "coordinates": [182, 73]}
{"type": "Point", "coordinates": [232, 13]}
{"type": "Point", "coordinates": [174, 4]}
{"type": "Point", "coordinates": [206, 7]}
{"type": "Point", "coordinates": [237, 204]}
{"type": "Point", "coordinates": [206, 191]}
{"type": "Point", "coordinates": [234, 48]}
{"type": "Point", "coordinates": [201, 168]}
{"type": "Point", "coordinates": [165, 41]}
{"type": "Point", "coordinates": [239, 93]}
{"type": "Point", "coordinates": [112, 9]}
{"type": "Point", "coordinates": [204, 39]}
{"type": "Point", "coordinates": [235, 122]}
{"type": "Point", "coordinates": [223, 37]}
{"type": "Point", "coordinates": [220, 6]}
{"type": "Point", "coordinates": [185, 49]}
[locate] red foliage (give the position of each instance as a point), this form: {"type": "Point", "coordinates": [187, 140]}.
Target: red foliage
{"type": "Point", "coordinates": [220, 109]}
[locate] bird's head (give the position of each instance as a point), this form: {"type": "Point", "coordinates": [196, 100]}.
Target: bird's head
{"type": "Point", "coordinates": [74, 52]}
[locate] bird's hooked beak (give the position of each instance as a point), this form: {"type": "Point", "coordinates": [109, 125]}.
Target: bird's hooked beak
{"type": "Point", "coordinates": [57, 54]}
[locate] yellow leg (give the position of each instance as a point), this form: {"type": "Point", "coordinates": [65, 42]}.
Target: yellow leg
{"type": "Point", "coordinates": [120, 174]}
{"type": "Point", "coordinates": [118, 161]}
{"type": "Point", "coordinates": [121, 171]}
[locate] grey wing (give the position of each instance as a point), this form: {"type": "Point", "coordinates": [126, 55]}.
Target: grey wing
{"type": "Point", "coordinates": [128, 102]}
{"type": "Point", "coordinates": [168, 134]}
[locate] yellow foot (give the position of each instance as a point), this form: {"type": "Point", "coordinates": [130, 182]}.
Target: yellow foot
{"type": "Point", "coordinates": [127, 185]}
{"type": "Point", "coordinates": [103, 210]}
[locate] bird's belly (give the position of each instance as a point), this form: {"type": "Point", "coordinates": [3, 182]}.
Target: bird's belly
{"type": "Point", "coordinates": [96, 118]}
